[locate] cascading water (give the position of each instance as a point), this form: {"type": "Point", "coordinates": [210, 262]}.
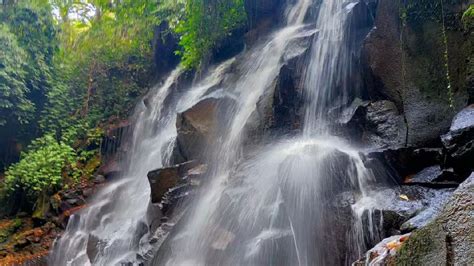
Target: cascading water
{"type": "Point", "coordinates": [117, 218]}
{"type": "Point", "coordinates": [268, 205]}
{"type": "Point", "coordinates": [274, 205]}
{"type": "Point", "coordinates": [118, 212]}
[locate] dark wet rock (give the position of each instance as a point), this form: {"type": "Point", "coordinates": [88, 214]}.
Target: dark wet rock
{"type": "Point", "coordinates": [404, 75]}
{"type": "Point", "coordinates": [71, 198]}
{"type": "Point", "coordinates": [259, 10]}
{"type": "Point", "coordinates": [92, 249]}
{"type": "Point", "coordinates": [115, 139]}
{"type": "Point", "coordinates": [281, 106]}
{"type": "Point", "coordinates": [361, 20]}
{"type": "Point", "coordinates": [76, 201]}
{"type": "Point", "coordinates": [385, 125]}
{"type": "Point", "coordinates": [435, 177]}
{"type": "Point", "coordinates": [299, 46]}
{"type": "Point", "coordinates": [391, 222]}
{"type": "Point", "coordinates": [426, 175]}
{"type": "Point", "coordinates": [87, 192]}
{"type": "Point", "coordinates": [165, 43]}
{"type": "Point", "coordinates": [350, 114]}
{"type": "Point", "coordinates": [199, 125]}
{"type": "Point", "coordinates": [403, 162]}
{"type": "Point", "coordinates": [111, 169]}
{"type": "Point", "coordinates": [401, 209]}
{"type": "Point", "coordinates": [230, 46]}
{"type": "Point", "coordinates": [286, 110]}
{"type": "Point", "coordinates": [98, 179]}
{"type": "Point", "coordinates": [459, 141]}
{"type": "Point", "coordinates": [170, 178]}
{"type": "Point", "coordinates": [378, 124]}
{"type": "Point", "coordinates": [448, 239]}
{"type": "Point", "coordinates": [161, 181]}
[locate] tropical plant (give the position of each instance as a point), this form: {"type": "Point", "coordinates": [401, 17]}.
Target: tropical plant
{"type": "Point", "coordinates": [42, 167]}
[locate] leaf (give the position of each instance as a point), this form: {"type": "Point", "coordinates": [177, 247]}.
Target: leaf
{"type": "Point", "coordinates": [404, 197]}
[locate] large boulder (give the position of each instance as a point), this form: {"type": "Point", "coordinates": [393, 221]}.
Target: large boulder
{"type": "Point", "coordinates": [459, 141]}
{"type": "Point", "coordinates": [448, 239]}
{"type": "Point", "coordinates": [401, 209]}
{"type": "Point", "coordinates": [166, 179]}
{"type": "Point", "coordinates": [444, 235]}
{"type": "Point", "coordinates": [280, 108]}
{"type": "Point", "coordinates": [401, 163]}
{"type": "Point", "coordinates": [198, 127]}
{"type": "Point", "coordinates": [406, 65]}
{"type": "Point", "coordinates": [378, 124]}
{"type": "Point", "coordinates": [436, 177]}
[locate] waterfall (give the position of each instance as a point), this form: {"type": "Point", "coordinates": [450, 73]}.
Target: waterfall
{"type": "Point", "coordinates": [192, 246]}
{"type": "Point", "coordinates": [273, 205]}
{"type": "Point", "coordinates": [117, 218]}
{"type": "Point", "coordinates": [328, 74]}
{"type": "Point", "coordinates": [263, 205]}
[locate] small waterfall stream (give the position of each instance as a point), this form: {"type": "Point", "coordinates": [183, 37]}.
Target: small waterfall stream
{"type": "Point", "coordinates": [266, 205]}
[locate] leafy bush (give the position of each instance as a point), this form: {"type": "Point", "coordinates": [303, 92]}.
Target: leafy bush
{"type": "Point", "coordinates": [42, 167]}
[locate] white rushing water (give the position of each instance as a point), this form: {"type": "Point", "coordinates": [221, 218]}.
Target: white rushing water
{"type": "Point", "coordinates": [117, 216]}
{"type": "Point", "coordinates": [274, 206]}
{"type": "Point", "coordinates": [260, 67]}
{"type": "Point", "coordinates": [268, 205]}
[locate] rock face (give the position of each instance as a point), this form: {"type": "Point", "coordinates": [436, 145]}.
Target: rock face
{"type": "Point", "coordinates": [259, 10]}
{"type": "Point", "coordinates": [164, 46]}
{"type": "Point", "coordinates": [403, 162]}
{"type": "Point", "coordinates": [459, 141]}
{"type": "Point", "coordinates": [170, 186]}
{"type": "Point", "coordinates": [406, 66]}
{"type": "Point", "coordinates": [164, 179]}
{"type": "Point", "coordinates": [444, 235]}
{"type": "Point", "coordinates": [449, 239]}
{"type": "Point", "coordinates": [280, 108]}
{"type": "Point", "coordinates": [378, 124]}
{"type": "Point", "coordinates": [198, 127]}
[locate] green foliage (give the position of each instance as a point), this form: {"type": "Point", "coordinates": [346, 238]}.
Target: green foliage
{"type": "Point", "coordinates": [427, 9]}
{"type": "Point", "coordinates": [48, 164]}
{"type": "Point", "coordinates": [468, 18]}
{"type": "Point", "coordinates": [42, 167]}
{"type": "Point", "coordinates": [104, 59]}
{"type": "Point", "coordinates": [34, 29]}
{"type": "Point", "coordinates": [69, 67]}
{"type": "Point", "coordinates": [15, 107]}
{"type": "Point", "coordinates": [205, 25]}
{"type": "Point", "coordinates": [29, 43]}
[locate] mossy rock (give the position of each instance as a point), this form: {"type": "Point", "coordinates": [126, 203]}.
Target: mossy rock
{"type": "Point", "coordinates": [424, 247]}
{"type": "Point", "coordinates": [448, 240]}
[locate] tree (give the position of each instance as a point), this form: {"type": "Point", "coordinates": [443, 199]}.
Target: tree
{"type": "Point", "coordinates": [15, 107]}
